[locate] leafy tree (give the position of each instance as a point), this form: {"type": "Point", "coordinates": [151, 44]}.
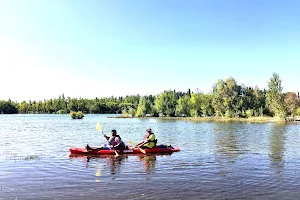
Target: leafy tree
{"type": "Point", "coordinates": [132, 111]}
{"type": "Point", "coordinates": [99, 108]}
{"type": "Point", "coordinates": [291, 103]}
{"type": "Point", "coordinates": [24, 107]}
{"type": "Point", "coordinates": [195, 105]}
{"type": "Point", "coordinates": [132, 99]}
{"type": "Point", "coordinates": [7, 107]}
{"type": "Point", "coordinates": [141, 109]}
{"type": "Point", "coordinates": [274, 97]}
{"type": "Point", "coordinates": [165, 103]}
{"type": "Point", "coordinates": [206, 104]}
{"type": "Point", "coordinates": [125, 107]}
{"type": "Point", "coordinates": [231, 97]}
{"type": "Point", "coordinates": [227, 99]}
{"type": "Point", "coordinates": [72, 105]}
{"type": "Point", "coordinates": [182, 107]}
{"type": "Point", "coordinates": [218, 98]}
{"type": "Point", "coordinates": [298, 111]}
{"type": "Point", "coordinates": [113, 107]}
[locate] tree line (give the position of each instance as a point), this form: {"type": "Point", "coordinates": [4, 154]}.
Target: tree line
{"type": "Point", "coordinates": [227, 99]}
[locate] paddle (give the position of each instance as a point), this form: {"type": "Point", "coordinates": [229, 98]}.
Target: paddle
{"type": "Point", "coordinates": [98, 127]}
{"type": "Point", "coordinates": [141, 150]}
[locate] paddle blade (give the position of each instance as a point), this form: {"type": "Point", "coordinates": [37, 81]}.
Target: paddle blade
{"type": "Point", "coordinates": [98, 127]}
{"type": "Point", "coordinates": [143, 151]}
{"type": "Point", "coordinates": [130, 142]}
{"type": "Point", "coordinates": [116, 154]}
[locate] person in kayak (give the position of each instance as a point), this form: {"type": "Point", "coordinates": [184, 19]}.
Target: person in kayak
{"type": "Point", "coordinates": [149, 140]}
{"type": "Point", "coordinates": [115, 143]}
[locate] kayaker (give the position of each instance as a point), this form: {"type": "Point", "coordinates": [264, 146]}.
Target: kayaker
{"type": "Point", "coordinates": [149, 140]}
{"type": "Point", "coordinates": [115, 142]}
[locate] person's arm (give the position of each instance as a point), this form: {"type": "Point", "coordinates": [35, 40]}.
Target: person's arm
{"type": "Point", "coordinates": [117, 141]}
{"type": "Point", "coordinates": [106, 137]}
{"type": "Point", "coordinates": [150, 139]}
{"type": "Point", "coordinates": [140, 144]}
{"type": "Point", "coordinates": [144, 141]}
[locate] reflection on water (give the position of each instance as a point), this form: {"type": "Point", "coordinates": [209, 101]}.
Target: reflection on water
{"type": "Point", "coordinates": [114, 163]}
{"type": "Point", "coordinates": [110, 162]}
{"type": "Point", "coordinates": [149, 162]}
{"type": "Point", "coordinates": [277, 149]}
{"type": "Point", "coordinates": [216, 161]}
{"type": "Point", "coordinates": [227, 141]}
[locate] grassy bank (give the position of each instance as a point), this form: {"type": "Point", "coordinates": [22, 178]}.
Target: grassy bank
{"type": "Point", "coordinates": [221, 119]}
{"type": "Point", "coordinates": [224, 119]}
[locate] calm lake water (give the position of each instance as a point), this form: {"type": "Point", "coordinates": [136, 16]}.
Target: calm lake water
{"type": "Point", "coordinates": [216, 161]}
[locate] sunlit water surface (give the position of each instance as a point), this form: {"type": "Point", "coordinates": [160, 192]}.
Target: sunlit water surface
{"type": "Point", "coordinates": [216, 161]}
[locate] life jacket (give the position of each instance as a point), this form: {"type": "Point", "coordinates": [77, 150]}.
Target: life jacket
{"type": "Point", "coordinates": [152, 142]}
{"type": "Point", "coordinates": [121, 145]}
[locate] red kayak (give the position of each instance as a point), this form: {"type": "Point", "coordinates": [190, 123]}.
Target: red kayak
{"type": "Point", "coordinates": [130, 150]}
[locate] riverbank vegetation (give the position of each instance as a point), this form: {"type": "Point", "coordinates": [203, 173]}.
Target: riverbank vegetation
{"type": "Point", "coordinates": [76, 115]}
{"type": "Point", "coordinates": [228, 100]}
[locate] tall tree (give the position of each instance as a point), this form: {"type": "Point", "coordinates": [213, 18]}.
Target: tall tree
{"type": "Point", "coordinates": [183, 107]}
{"type": "Point", "coordinates": [218, 98]}
{"type": "Point", "coordinates": [8, 107]}
{"type": "Point", "coordinates": [206, 104]}
{"type": "Point", "coordinates": [165, 103]}
{"type": "Point", "coordinates": [274, 97]}
{"type": "Point", "coordinates": [291, 103]}
{"type": "Point", "coordinates": [141, 109]}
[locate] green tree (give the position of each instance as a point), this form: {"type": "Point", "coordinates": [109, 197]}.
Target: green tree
{"type": "Point", "coordinates": [113, 107]}
{"type": "Point", "coordinates": [165, 103]}
{"type": "Point", "coordinates": [141, 109]}
{"type": "Point", "coordinates": [195, 105]}
{"type": "Point", "coordinates": [274, 97]}
{"type": "Point", "coordinates": [99, 108]}
{"type": "Point", "coordinates": [183, 108]}
{"type": "Point", "coordinates": [298, 111]}
{"type": "Point", "coordinates": [206, 104]}
{"type": "Point", "coordinates": [231, 97]}
{"type": "Point", "coordinates": [8, 107]}
{"type": "Point", "coordinates": [24, 107]}
{"type": "Point", "coordinates": [218, 98]}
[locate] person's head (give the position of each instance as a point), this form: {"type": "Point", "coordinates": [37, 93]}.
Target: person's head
{"type": "Point", "coordinates": [113, 132]}
{"type": "Point", "coordinates": [149, 130]}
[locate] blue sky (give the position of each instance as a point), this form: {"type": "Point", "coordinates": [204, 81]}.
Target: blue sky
{"type": "Point", "coordinates": [108, 48]}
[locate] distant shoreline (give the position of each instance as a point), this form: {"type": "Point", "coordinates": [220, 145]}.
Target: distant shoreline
{"type": "Point", "coordinates": [216, 119]}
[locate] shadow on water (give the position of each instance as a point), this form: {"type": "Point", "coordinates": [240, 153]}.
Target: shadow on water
{"type": "Point", "coordinates": [277, 149]}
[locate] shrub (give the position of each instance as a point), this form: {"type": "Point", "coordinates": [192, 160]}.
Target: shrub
{"type": "Point", "coordinates": [79, 115]}
{"type": "Point", "coordinates": [249, 113]}
{"type": "Point", "coordinates": [298, 111]}
{"type": "Point", "coordinates": [261, 111]}
{"type": "Point", "coordinates": [228, 114]}
{"type": "Point", "coordinates": [62, 112]}
{"type": "Point", "coordinates": [125, 113]}
{"type": "Point", "coordinates": [76, 115]}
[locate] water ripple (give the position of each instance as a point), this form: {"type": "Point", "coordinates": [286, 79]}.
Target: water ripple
{"type": "Point", "coordinates": [216, 161]}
